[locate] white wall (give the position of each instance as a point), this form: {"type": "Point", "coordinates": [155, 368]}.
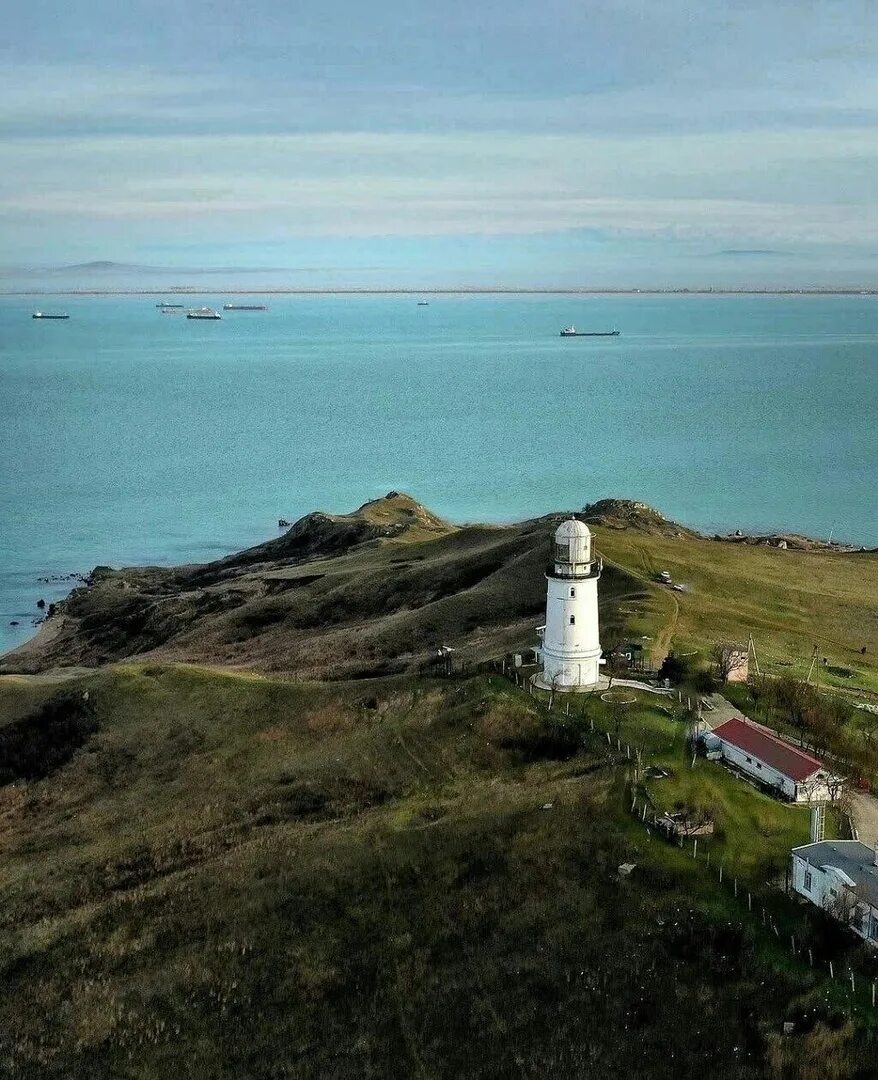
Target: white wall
{"type": "Point", "coordinates": [758, 769]}
{"type": "Point", "coordinates": [811, 790]}
{"type": "Point", "coordinates": [571, 650]}
{"type": "Point", "coordinates": [820, 894]}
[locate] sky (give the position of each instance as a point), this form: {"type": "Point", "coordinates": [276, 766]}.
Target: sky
{"type": "Point", "coordinates": [627, 143]}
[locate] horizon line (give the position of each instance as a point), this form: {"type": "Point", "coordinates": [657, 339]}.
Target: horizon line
{"type": "Point", "coordinates": [464, 290]}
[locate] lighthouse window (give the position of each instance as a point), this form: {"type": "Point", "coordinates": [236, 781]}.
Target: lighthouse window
{"type": "Point", "coordinates": [573, 592]}
{"type": "Point", "coordinates": [573, 620]}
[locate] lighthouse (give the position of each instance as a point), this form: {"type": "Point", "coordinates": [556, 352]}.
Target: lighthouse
{"type": "Point", "coordinates": [571, 651]}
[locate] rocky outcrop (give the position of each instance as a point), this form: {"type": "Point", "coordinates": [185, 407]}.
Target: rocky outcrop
{"type": "Point", "coordinates": [629, 514]}
{"type": "Point", "coordinates": [788, 542]}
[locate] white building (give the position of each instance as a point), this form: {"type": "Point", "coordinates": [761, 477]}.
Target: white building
{"type": "Point", "coordinates": [570, 650]}
{"type": "Point", "coordinates": [840, 876]}
{"type": "Point", "coordinates": [762, 755]}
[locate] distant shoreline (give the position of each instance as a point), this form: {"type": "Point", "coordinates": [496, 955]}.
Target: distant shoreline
{"type": "Point", "coordinates": [498, 290]}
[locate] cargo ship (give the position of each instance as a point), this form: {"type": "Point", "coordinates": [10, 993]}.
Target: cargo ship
{"type": "Point", "coordinates": [245, 307]}
{"type": "Point", "coordinates": [203, 313]}
{"type": "Point", "coordinates": [47, 315]}
{"type": "Point", "coordinates": [571, 331]}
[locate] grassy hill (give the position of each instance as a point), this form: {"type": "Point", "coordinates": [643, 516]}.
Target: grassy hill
{"type": "Point", "coordinates": [212, 862]}
{"type": "Point", "coordinates": [377, 591]}
{"type": "Point", "coordinates": [241, 876]}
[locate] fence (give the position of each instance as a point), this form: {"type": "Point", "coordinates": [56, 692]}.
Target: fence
{"type": "Point", "coordinates": [838, 970]}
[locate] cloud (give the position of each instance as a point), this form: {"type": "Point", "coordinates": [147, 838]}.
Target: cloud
{"type": "Point", "coordinates": [765, 189]}
{"type": "Point", "coordinates": [743, 128]}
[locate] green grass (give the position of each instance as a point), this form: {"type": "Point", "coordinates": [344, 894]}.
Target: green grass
{"type": "Point", "coordinates": [243, 876]}
{"type": "Point", "coordinates": [789, 600]}
{"type": "Point", "coordinates": [753, 830]}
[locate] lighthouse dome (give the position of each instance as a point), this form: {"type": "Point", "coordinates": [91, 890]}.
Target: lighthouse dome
{"type": "Point", "coordinates": [572, 542]}
{"type": "Point", "coordinates": [570, 528]}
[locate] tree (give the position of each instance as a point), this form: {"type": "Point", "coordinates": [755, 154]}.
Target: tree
{"type": "Point", "coordinates": [675, 668]}
{"type": "Point", "coordinates": [616, 664]}
{"type": "Point", "coordinates": [869, 726]}
{"type": "Point", "coordinates": [730, 660]}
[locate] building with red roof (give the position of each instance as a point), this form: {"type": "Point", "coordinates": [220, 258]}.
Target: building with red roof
{"type": "Point", "coordinates": [761, 754]}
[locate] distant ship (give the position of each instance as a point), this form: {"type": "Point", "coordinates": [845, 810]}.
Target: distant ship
{"type": "Point", "coordinates": [571, 331]}
{"type": "Point", "coordinates": [203, 313]}
{"type": "Point", "coordinates": [47, 315]}
{"type": "Point", "coordinates": [164, 306]}
{"type": "Point", "coordinates": [245, 307]}
{"type": "Point", "coordinates": [423, 303]}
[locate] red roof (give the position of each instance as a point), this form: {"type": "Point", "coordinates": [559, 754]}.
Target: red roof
{"type": "Point", "coordinates": [758, 741]}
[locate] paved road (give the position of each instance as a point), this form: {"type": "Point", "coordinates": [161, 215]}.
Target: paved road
{"type": "Point", "coordinates": [864, 808]}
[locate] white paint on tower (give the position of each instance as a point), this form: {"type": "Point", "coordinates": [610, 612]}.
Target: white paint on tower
{"type": "Point", "coordinates": [570, 652]}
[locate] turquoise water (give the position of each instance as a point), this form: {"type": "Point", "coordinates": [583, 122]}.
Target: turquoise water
{"type": "Point", "coordinates": [128, 436]}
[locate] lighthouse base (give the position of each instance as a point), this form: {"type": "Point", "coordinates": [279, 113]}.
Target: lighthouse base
{"type": "Point", "coordinates": [541, 683]}
{"type": "Point", "coordinates": [570, 676]}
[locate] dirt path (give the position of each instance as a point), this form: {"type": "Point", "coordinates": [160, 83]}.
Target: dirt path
{"type": "Point", "coordinates": [720, 711]}
{"type": "Point", "coordinates": [864, 810]}
{"type": "Point", "coordinates": [662, 643]}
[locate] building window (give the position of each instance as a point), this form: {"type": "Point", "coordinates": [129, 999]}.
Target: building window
{"type": "Point", "coordinates": [749, 761]}
{"type": "Point", "coordinates": [808, 881]}
{"type": "Point", "coordinates": [573, 620]}
{"type": "Point", "coordinates": [573, 592]}
{"type": "Point", "coordinates": [873, 927]}
{"type": "Point", "coordinates": [758, 766]}
{"type": "Point", "coordinates": [857, 919]}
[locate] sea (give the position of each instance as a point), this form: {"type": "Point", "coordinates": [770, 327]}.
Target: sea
{"type": "Point", "coordinates": [132, 437]}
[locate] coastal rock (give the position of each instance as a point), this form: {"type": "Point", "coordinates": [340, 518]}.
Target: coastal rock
{"type": "Point", "coordinates": [788, 542]}
{"type": "Point", "coordinates": [632, 514]}
{"type": "Point", "coordinates": [98, 574]}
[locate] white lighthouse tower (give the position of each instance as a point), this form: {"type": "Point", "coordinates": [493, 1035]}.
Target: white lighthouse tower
{"type": "Point", "coordinates": [571, 650]}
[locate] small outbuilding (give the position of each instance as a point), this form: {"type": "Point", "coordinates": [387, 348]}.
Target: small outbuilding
{"type": "Point", "coordinates": [763, 756]}
{"type": "Point", "coordinates": [841, 877]}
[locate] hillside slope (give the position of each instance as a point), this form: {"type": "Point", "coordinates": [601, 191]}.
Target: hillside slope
{"type": "Point", "coordinates": [379, 590]}
{"type": "Point", "coordinates": [233, 871]}
{"type": "Point", "coordinates": [371, 592]}
{"type": "Point", "coordinates": [234, 876]}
